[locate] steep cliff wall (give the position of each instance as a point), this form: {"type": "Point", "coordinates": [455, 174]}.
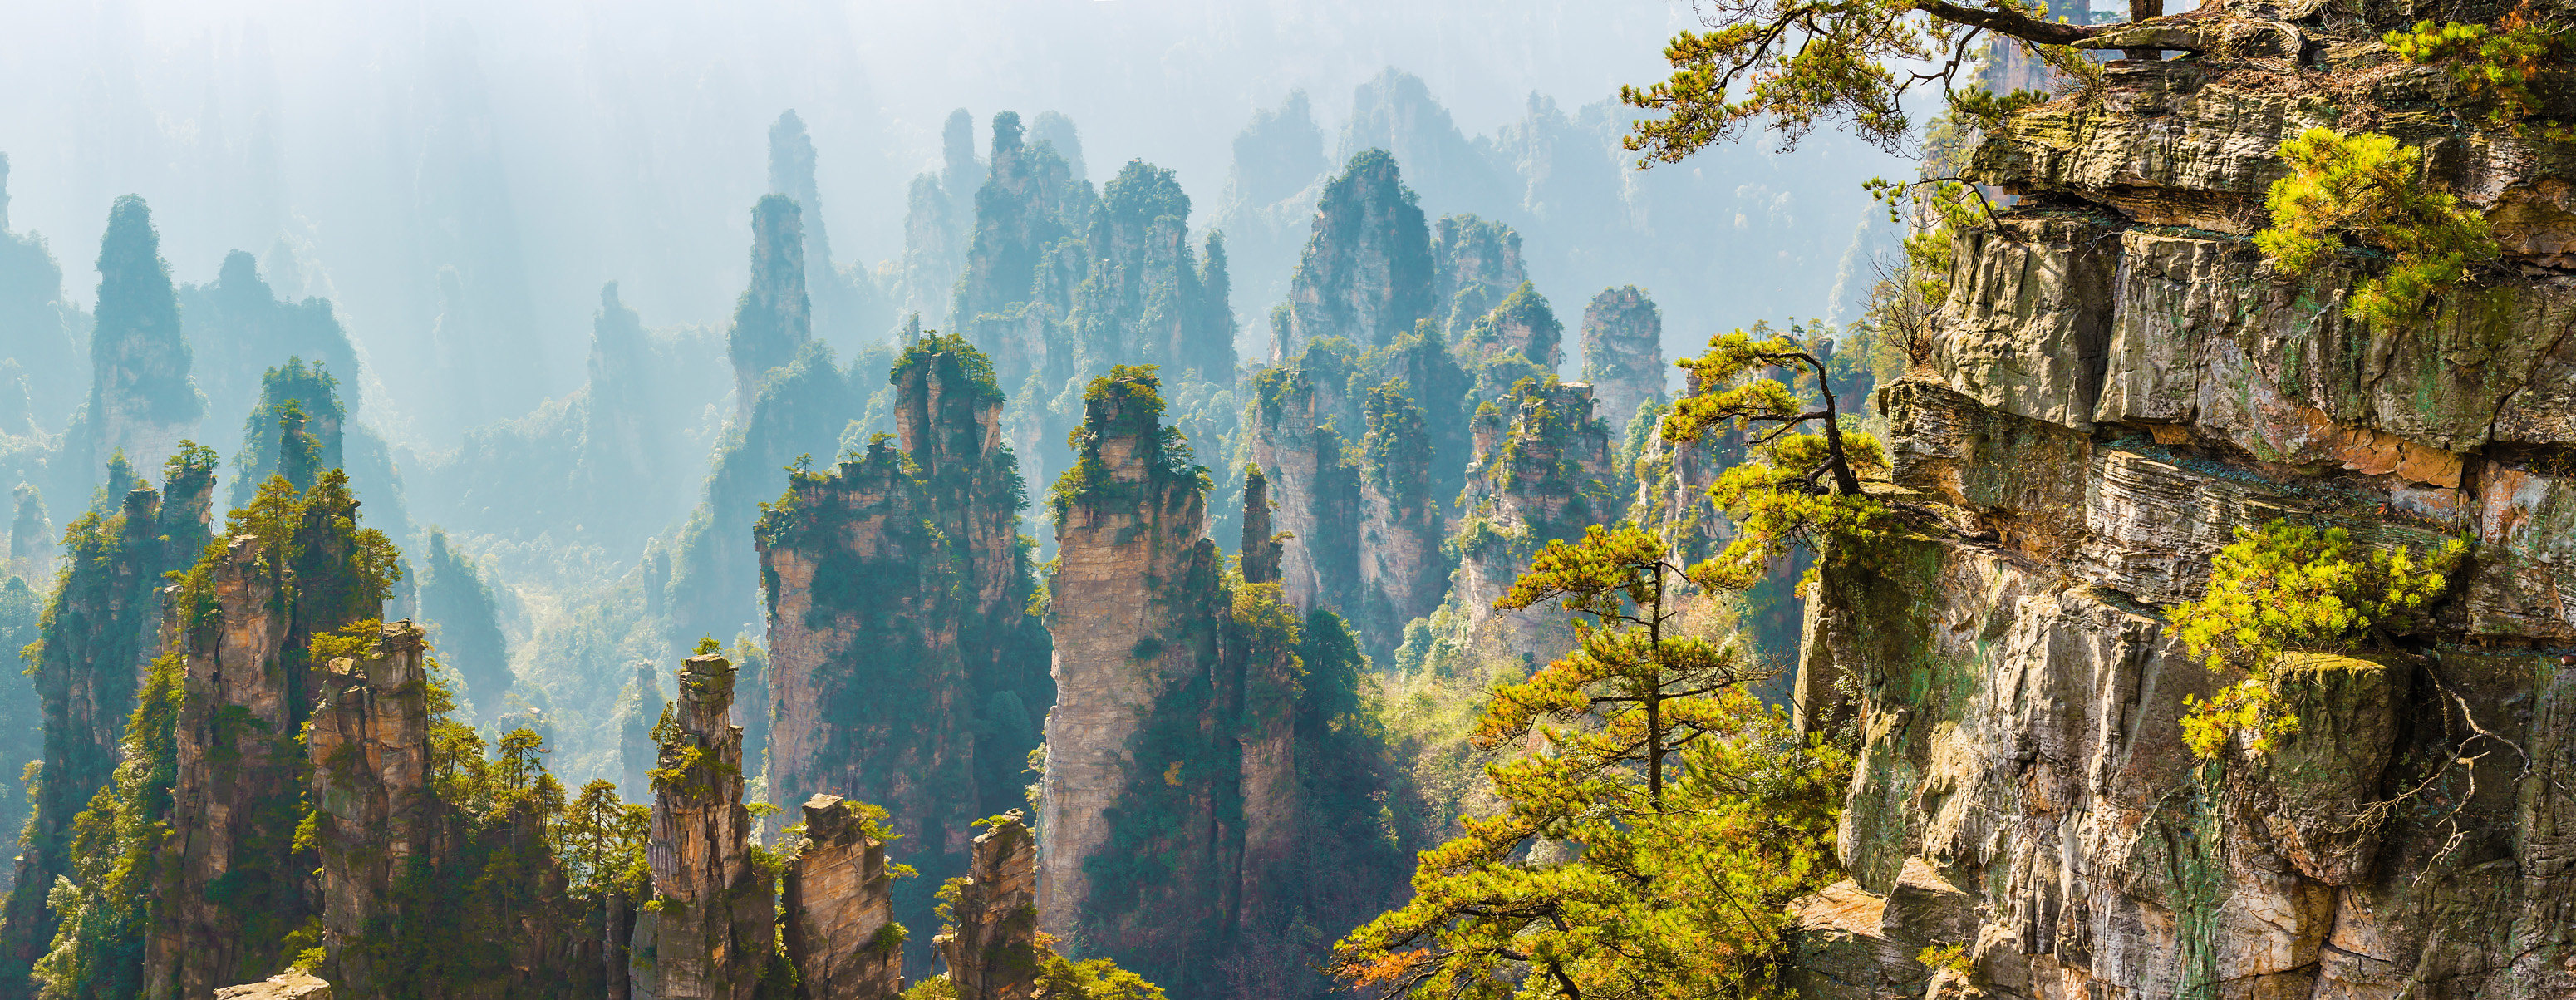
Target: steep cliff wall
{"type": "Point", "coordinates": [905, 668]}
{"type": "Point", "coordinates": [102, 626]}
{"type": "Point", "coordinates": [375, 815]}
{"type": "Point", "coordinates": [992, 954]}
{"type": "Point", "coordinates": [837, 912]}
{"type": "Point", "coordinates": [709, 931]}
{"type": "Point", "coordinates": [1542, 473]}
{"type": "Point", "coordinates": [2118, 383]}
{"type": "Point", "coordinates": [1299, 415]}
{"type": "Point", "coordinates": [1475, 263]}
{"type": "Point", "coordinates": [1136, 609]}
{"type": "Point", "coordinates": [1366, 274]}
{"type": "Point", "coordinates": [232, 881]}
{"type": "Point", "coordinates": [1623, 353]}
{"type": "Point", "coordinates": [1403, 572]}
{"type": "Point", "coordinates": [774, 317]}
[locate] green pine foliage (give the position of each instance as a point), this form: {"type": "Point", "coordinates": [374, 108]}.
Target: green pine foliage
{"type": "Point", "coordinates": [2285, 588]}
{"type": "Point", "coordinates": [2367, 188]}
{"type": "Point", "coordinates": [294, 431]}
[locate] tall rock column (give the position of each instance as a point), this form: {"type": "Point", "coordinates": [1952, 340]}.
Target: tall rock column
{"type": "Point", "coordinates": [1136, 612]}
{"type": "Point", "coordinates": [141, 401]}
{"type": "Point", "coordinates": [905, 669]}
{"type": "Point", "coordinates": [1623, 353]}
{"type": "Point", "coordinates": [1298, 418]}
{"type": "Point", "coordinates": [1542, 473]}
{"type": "Point", "coordinates": [992, 950]}
{"type": "Point", "coordinates": [713, 931]}
{"type": "Point", "coordinates": [375, 815]}
{"type": "Point", "coordinates": [247, 616]}
{"type": "Point", "coordinates": [1403, 573]}
{"type": "Point", "coordinates": [840, 924]}
{"type": "Point", "coordinates": [102, 630]}
{"type": "Point", "coordinates": [1367, 271]}
{"type": "Point", "coordinates": [774, 318]}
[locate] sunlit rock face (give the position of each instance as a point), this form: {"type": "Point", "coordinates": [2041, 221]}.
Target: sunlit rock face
{"type": "Point", "coordinates": [2117, 384]}
{"type": "Point", "coordinates": [992, 953]}
{"type": "Point", "coordinates": [715, 929]}
{"type": "Point", "coordinates": [837, 913]}
{"type": "Point", "coordinates": [905, 667]}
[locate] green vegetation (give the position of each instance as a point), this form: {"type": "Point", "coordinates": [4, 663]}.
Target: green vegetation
{"type": "Point", "coordinates": [1651, 848]}
{"type": "Point", "coordinates": [2291, 588]}
{"type": "Point", "coordinates": [1798, 63]}
{"type": "Point", "coordinates": [105, 902]}
{"type": "Point", "coordinates": [1795, 488]}
{"type": "Point", "coordinates": [2368, 188]}
{"type": "Point", "coordinates": [2495, 65]}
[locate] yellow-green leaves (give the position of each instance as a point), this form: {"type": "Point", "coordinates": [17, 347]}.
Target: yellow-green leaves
{"type": "Point", "coordinates": [2494, 66]}
{"type": "Point", "coordinates": [2368, 188]}
{"type": "Point", "coordinates": [2293, 587]}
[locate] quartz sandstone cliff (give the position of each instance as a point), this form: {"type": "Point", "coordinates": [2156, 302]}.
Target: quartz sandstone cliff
{"type": "Point", "coordinates": [709, 931]}
{"type": "Point", "coordinates": [837, 914]}
{"type": "Point", "coordinates": [2117, 384]}
{"type": "Point", "coordinates": [1623, 353]}
{"type": "Point", "coordinates": [1366, 274]}
{"type": "Point", "coordinates": [992, 953]}
{"type": "Point", "coordinates": [905, 668]}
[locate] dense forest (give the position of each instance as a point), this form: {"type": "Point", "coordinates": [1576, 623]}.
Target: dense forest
{"type": "Point", "coordinates": [1627, 551]}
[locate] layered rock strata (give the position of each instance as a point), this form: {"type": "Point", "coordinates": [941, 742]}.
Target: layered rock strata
{"type": "Point", "coordinates": [711, 932]}
{"type": "Point", "coordinates": [838, 916]}
{"type": "Point", "coordinates": [992, 950]}
{"type": "Point", "coordinates": [1171, 797]}
{"type": "Point", "coordinates": [2118, 385]}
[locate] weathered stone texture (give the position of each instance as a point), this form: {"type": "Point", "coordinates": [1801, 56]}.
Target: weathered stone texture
{"type": "Point", "coordinates": [283, 986]}
{"type": "Point", "coordinates": [839, 914]}
{"type": "Point", "coordinates": [374, 813]}
{"type": "Point", "coordinates": [710, 931]}
{"type": "Point", "coordinates": [2110, 402]}
{"type": "Point", "coordinates": [993, 954]}
{"type": "Point", "coordinates": [1366, 274]}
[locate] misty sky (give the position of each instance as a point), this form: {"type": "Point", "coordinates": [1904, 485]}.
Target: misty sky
{"type": "Point", "coordinates": [625, 140]}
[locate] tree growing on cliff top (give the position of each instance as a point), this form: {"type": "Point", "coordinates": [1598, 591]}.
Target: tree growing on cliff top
{"type": "Point", "coordinates": [1794, 487]}
{"type": "Point", "coordinates": [1651, 845]}
{"type": "Point", "coordinates": [1795, 63]}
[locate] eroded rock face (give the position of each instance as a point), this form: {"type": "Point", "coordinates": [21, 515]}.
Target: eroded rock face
{"type": "Point", "coordinates": [775, 318]}
{"type": "Point", "coordinates": [2108, 402]}
{"type": "Point", "coordinates": [905, 669]}
{"type": "Point", "coordinates": [1298, 420]}
{"type": "Point", "coordinates": [1366, 274]}
{"type": "Point", "coordinates": [375, 815]}
{"type": "Point", "coordinates": [1520, 324]}
{"type": "Point", "coordinates": [1475, 263]}
{"type": "Point", "coordinates": [839, 916]}
{"type": "Point", "coordinates": [1542, 473]}
{"type": "Point", "coordinates": [993, 954]}
{"type": "Point", "coordinates": [1403, 574]}
{"type": "Point", "coordinates": [1136, 611]}
{"type": "Point", "coordinates": [708, 931]}
{"type": "Point", "coordinates": [1623, 353]}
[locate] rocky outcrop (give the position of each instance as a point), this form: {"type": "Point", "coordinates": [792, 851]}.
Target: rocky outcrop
{"type": "Point", "coordinates": [905, 669]}
{"type": "Point", "coordinates": [283, 986]}
{"type": "Point", "coordinates": [774, 318]}
{"type": "Point", "coordinates": [1027, 206]}
{"type": "Point", "coordinates": [708, 932]}
{"type": "Point", "coordinates": [104, 628]}
{"type": "Point", "coordinates": [1623, 353]}
{"type": "Point", "coordinates": [1542, 473]}
{"type": "Point", "coordinates": [2111, 395]}
{"type": "Point", "coordinates": [938, 223]}
{"type": "Point", "coordinates": [232, 878]}
{"type": "Point", "coordinates": [1475, 263]}
{"type": "Point", "coordinates": [1298, 418]}
{"type": "Point", "coordinates": [838, 917]}
{"type": "Point", "coordinates": [1520, 324]}
{"type": "Point", "coordinates": [1403, 574]}
{"type": "Point", "coordinates": [1142, 300]}
{"type": "Point", "coordinates": [992, 949]}
{"type": "Point", "coordinates": [1366, 275]}
{"type": "Point", "coordinates": [846, 309]}
{"type": "Point", "coordinates": [1136, 607]}
{"type": "Point", "coordinates": [375, 815]}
